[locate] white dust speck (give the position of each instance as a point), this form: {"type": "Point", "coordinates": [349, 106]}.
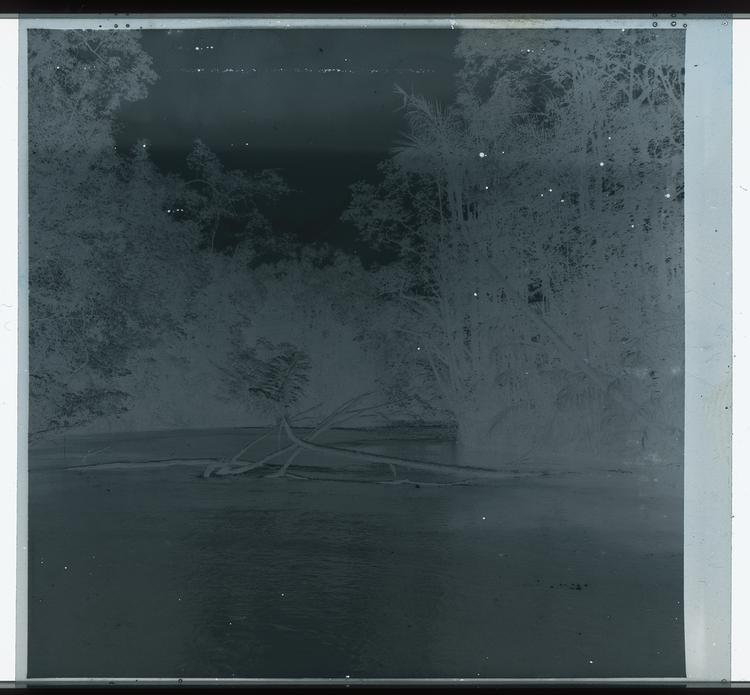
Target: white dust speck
{"type": "Point", "coordinates": [482, 155]}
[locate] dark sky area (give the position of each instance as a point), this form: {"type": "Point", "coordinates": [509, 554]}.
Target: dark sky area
{"type": "Point", "coordinates": [318, 104]}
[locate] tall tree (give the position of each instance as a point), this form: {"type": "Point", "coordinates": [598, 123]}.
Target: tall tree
{"type": "Point", "coordinates": [229, 203]}
{"type": "Point", "coordinates": [533, 221]}
{"type": "Point", "coordinates": [103, 249]}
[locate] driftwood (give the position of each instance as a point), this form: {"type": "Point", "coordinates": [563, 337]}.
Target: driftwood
{"type": "Point", "coordinates": [367, 457]}
{"type": "Point", "coordinates": [351, 409]}
{"type": "Point", "coordinates": [149, 463]}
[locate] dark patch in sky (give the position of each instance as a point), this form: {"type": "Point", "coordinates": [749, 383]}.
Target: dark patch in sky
{"type": "Point", "coordinates": [318, 104]}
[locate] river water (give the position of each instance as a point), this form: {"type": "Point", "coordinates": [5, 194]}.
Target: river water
{"type": "Point", "coordinates": [160, 573]}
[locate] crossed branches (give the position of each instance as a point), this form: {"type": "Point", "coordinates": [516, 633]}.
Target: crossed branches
{"type": "Point", "coordinates": [351, 409]}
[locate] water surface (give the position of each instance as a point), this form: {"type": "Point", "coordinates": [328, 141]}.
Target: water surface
{"type": "Point", "coordinates": [160, 573]}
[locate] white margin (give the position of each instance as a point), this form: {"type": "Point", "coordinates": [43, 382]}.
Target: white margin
{"type": "Point", "coordinates": [8, 342]}
{"type": "Point", "coordinates": [708, 350]}
{"type": "Point", "coordinates": [741, 353]}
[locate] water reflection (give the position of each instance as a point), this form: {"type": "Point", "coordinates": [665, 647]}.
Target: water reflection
{"type": "Point", "coordinates": [293, 578]}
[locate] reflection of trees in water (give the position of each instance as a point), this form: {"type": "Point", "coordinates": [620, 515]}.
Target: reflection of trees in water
{"type": "Point", "coordinates": [223, 593]}
{"type": "Point", "coordinates": [334, 588]}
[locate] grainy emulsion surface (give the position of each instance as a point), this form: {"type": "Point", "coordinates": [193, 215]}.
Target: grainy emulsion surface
{"type": "Point", "coordinates": [356, 352]}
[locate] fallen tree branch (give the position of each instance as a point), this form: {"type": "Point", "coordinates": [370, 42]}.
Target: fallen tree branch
{"type": "Point", "coordinates": [152, 463]}
{"type": "Point", "coordinates": [239, 470]}
{"type": "Point", "coordinates": [328, 423]}
{"type": "Point", "coordinates": [419, 483]}
{"type": "Point", "coordinates": [367, 457]}
{"type": "Point", "coordinates": [249, 446]}
{"type": "Point", "coordinates": [222, 470]}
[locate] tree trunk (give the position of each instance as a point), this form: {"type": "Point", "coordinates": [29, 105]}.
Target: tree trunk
{"type": "Point", "coordinates": [367, 457]}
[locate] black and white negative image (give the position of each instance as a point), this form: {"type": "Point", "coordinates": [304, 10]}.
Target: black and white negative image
{"type": "Point", "coordinates": [356, 353]}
